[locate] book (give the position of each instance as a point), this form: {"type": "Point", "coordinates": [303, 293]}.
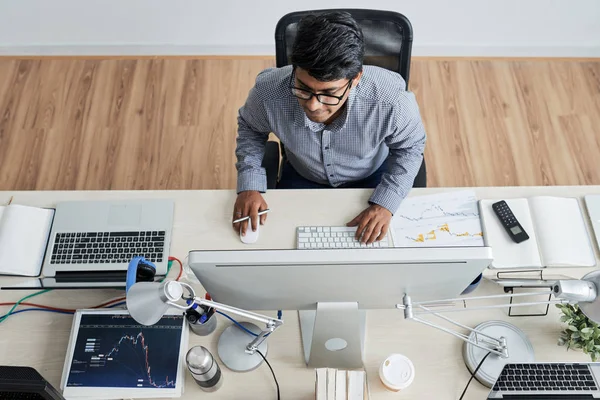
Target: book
{"type": "Point", "coordinates": [24, 235]}
{"type": "Point", "coordinates": [356, 385]}
{"type": "Point", "coordinates": [340, 385]}
{"type": "Point", "coordinates": [321, 384]}
{"type": "Point", "coordinates": [331, 375]}
{"type": "Point", "coordinates": [557, 234]}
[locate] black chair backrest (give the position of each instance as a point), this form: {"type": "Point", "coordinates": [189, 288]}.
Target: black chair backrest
{"type": "Point", "coordinates": [388, 38]}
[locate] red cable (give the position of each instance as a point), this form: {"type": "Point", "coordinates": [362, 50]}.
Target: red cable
{"type": "Point", "coordinates": [180, 266]}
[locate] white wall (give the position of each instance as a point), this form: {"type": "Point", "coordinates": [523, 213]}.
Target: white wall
{"type": "Point", "coordinates": [442, 27]}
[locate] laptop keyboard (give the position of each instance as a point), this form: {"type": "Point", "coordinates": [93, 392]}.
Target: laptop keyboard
{"type": "Point", "coordinates": [540, 377]}
{"type": "Point", "coordinates": [20, 396]}
{"type": "Point", "coordinates": [107, 247]}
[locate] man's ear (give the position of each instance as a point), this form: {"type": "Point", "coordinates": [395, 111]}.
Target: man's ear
{"type": "Point", "coordinates": [357, 79]}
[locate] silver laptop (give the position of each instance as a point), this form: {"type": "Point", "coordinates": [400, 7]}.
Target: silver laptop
{"type": "Point", "coordinates": [95, 240]}
{"type": "Point", "coordinates": [548, 381]}
{"type": "Point", "coordinates": [592, 202]}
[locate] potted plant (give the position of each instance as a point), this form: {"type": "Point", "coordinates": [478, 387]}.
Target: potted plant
{"type": "Point", "coordinates": [581, 333]}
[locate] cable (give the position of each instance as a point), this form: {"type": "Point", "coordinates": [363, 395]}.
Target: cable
{"type": "Point", "coordinates": [23, 303]}
{"type": "Point", "coordinates": [116, 304]}
{"type": "Point", "coordinates": [473, 374]}
{"type": "Point", "coordinates": [39, 306]}
{"type": "Point", "coordinates": [180, 267]}
{"type": "Point", "coordinates": [273, 372]}
{"type": "Point", "coordinates": [20, 301]}
{"type": "Point", "coordinates": [242, 327]}
{"type": "Point", "coordinates": [35, 309]}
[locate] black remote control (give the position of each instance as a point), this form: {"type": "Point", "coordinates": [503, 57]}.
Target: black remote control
{"type": "Point", "coordinates": [509, 221]}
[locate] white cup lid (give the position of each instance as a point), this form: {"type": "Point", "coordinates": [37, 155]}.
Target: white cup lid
{"type": "Point", "coordinates": [397, 372]}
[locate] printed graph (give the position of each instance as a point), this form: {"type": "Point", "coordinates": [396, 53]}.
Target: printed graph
{"type": "Point", "coordinates": [439, 220]}
{"type": "Point", "coordinates": [115, 351]}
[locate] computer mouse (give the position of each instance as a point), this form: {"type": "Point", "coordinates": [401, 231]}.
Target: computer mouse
{"type": "Point", "coordinates": [251, 236]}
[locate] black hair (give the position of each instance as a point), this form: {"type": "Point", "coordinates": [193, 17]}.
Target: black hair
{"type": "Point", "coordinates": [329, 46]}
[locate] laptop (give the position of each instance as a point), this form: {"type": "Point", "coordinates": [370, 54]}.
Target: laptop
{"type": "Point", "coordinates": [592, 201]}
{"type": "Point", "coordinates": [95, 240]}
{"type": "Point", "coordinates": [25, 383]}
{"type": "Point", "coordinates": [547, 381]}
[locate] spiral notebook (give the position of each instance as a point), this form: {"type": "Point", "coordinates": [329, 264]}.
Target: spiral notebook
{"type": "Point", "coordinates": [557, 233]}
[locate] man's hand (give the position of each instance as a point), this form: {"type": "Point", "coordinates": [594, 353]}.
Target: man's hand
{"type": "Point", "coordinates": [248, 203]}
{"type": "Point", "coordinates": [373, 223]}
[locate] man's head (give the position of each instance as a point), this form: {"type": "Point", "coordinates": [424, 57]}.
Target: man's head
{"type": "Point", "coordinates": [327, 56]}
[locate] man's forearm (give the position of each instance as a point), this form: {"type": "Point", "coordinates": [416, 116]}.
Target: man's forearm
{"type": "Point", "coordinates": [250, 151]}
{"type": "Point", "coordinates": [398, 180]}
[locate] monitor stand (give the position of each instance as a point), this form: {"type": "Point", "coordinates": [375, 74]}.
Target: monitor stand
{"type": "Point", "coordinates": [334, 335]}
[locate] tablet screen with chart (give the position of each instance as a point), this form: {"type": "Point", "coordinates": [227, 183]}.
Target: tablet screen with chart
{"type": "Point", "coordinates": [114, 351]}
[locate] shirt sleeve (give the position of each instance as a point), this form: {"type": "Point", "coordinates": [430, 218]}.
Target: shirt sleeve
{"type": "Point", "coordinates": [406, 145]}
{"type": "Point", "coordinates": [253, 133]}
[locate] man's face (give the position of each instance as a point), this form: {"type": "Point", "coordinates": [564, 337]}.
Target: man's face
{"type": "Point", "coordinates": [316, 111]}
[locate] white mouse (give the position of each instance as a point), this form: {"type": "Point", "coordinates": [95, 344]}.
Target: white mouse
{"type": "Point", "coordinates": [251, 236]}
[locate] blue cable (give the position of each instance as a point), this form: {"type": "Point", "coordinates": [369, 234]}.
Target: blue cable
{"type": "Point", "coordinates": [242, 327]}
{"type": "Point", "coordinates": [117, 304]}
{"type": "Point", "coordinates": [36, 309]}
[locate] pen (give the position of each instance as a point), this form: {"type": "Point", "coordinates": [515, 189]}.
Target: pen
{"type": "Point", "coordinates": [248, 217]}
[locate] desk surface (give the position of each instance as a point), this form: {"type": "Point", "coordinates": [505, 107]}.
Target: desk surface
{"type": "Point", "coordinates": [202, 221]}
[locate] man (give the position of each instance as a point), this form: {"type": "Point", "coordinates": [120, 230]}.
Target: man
{"type": "Point", "coordinates": [342, 125]}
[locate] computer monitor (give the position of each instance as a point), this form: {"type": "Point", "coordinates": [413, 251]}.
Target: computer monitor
{"type": "Point", "coordinates": [333, 288]}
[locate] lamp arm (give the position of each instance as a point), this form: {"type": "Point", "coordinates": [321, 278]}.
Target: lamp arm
{"type": "Point", "coordinates": [271, 323]}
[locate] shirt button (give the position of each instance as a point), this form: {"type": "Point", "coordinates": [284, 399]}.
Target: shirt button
{"type": "Point", "coordinates": [327, 148]}
{"type": "Point", "coordinates": [329, 165]}
{"type": "Point", "coordinates": [331, 175]}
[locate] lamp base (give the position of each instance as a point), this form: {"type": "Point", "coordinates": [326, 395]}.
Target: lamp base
{"type": "Point", "coordinates": [232, 348]}
{"type": "Point", "coordinates": [519, 350]}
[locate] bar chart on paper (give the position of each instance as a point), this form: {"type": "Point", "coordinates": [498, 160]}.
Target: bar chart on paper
{"type": "Point", "coordinates": [438, 220]}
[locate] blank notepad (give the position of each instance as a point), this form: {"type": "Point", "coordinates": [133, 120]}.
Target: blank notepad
{"type": "Point", "coordinates": [24, 234]}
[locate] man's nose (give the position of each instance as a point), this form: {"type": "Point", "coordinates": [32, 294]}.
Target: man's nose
{"type": "Point", "coordinates": [313, 104]}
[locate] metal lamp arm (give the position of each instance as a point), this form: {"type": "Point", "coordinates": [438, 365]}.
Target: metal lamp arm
{"type": "Point", "coordinates": [271, 323]}
{"type": "Point", "coordinates": [564, 291]}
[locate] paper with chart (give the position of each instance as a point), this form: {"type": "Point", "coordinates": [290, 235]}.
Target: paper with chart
{"type": "Point", "coordinates": [438, 220]}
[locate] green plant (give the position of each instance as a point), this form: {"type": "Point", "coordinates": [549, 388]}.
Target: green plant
{"type": "Point", "coordinates": [581, 333]}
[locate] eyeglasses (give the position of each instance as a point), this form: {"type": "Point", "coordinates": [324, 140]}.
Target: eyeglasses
{"type": "Point", "coordinates": [327, 99]}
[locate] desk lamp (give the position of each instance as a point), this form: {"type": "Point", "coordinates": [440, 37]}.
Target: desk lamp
{"type": "Point", "coordinates": [505, 342]}
{"type": "Point", "coordinates": [147, 302]}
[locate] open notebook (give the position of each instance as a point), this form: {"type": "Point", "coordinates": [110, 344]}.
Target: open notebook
{"type": "Point", "coordinates": [24, 234]}
{"type": "Point", "coordinates": [557, 234]}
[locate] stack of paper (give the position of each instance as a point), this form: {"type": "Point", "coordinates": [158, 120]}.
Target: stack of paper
{"type": "Point", "coordinates": [332, 384]}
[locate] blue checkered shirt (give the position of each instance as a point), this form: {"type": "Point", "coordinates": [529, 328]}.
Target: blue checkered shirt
{"type": "Point", "coordinates": [381, 122]}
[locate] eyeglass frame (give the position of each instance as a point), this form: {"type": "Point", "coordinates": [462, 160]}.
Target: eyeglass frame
{"type": "Point", "coordinates": [339, 98]}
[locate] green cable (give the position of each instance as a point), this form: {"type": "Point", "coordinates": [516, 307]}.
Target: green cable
{"type": "Point", "coordinates": [169, 264]}
{"type": "Point", "coordinates": [8, 314]}
{"type": "Point", "coordinates": [22, 300]}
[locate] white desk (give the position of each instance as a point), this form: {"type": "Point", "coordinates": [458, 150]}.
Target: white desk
{"type": "Point", "coordinates": [202, 221]}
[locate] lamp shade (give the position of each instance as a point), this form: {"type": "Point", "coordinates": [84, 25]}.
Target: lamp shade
{"type": "Point", "coordinates": [147, 302]}
{"type": "Point", "coordinates": [591, 309]}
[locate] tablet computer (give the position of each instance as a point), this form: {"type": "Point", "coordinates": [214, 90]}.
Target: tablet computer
{"type": "Point", "coordinates": [111, 356]}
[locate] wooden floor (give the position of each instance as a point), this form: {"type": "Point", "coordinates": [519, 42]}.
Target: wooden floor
{"type": "Point", "coordinates": [171, 123]}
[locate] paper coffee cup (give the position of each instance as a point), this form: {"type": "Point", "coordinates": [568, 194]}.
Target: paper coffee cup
{"type": "Point", "coordinates": [396, 372]}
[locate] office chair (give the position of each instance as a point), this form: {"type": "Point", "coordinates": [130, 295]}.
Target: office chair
{"type": "Point", "coordinates": [388, 42]}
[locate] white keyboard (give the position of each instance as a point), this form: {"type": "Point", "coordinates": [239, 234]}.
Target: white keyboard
{"type": "Point", "coordinates": [332, 237]}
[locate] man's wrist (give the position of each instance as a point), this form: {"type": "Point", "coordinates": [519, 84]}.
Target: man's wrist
{"type": "Point", "coordinates": [256, 181]}
{"type": "Point", "coordinates": [386, 198]}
